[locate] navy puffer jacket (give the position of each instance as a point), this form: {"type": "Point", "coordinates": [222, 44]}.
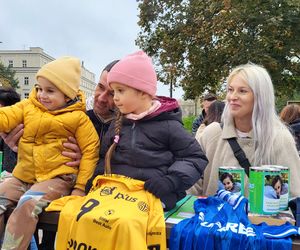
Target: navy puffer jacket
{"type": "Point", "coordinates": [155, 146]}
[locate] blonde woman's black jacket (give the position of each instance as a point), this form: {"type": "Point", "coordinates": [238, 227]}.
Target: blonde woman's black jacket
{"type": "Point", "coordinates": [155, 146]}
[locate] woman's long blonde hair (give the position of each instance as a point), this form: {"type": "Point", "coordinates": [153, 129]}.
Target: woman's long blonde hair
{"type": "Point", "coordinates": [264, 116]}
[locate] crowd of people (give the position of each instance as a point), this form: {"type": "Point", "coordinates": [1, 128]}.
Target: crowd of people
{"type": "Point", "coordinates": [51, 143]}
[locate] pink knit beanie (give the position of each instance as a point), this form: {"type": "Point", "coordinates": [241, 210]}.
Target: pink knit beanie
{"type": "Point", "coordinates": [135, 70]}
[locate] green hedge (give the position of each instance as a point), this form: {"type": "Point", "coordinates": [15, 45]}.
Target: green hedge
{"type": "Point", "coordinates": [188, 122]}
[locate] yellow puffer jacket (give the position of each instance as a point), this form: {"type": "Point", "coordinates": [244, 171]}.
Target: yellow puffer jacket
{"type": "Point", "coordinates": [40, 147]}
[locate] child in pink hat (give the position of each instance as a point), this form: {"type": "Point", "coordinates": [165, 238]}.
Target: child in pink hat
{"type": "Point", "coordinates": [147, 141]}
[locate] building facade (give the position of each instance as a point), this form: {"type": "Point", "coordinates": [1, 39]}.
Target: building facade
{"type": "Point", "coordinates": [26, 63]}
{"type": "Point", "coordinates": [190, 107]}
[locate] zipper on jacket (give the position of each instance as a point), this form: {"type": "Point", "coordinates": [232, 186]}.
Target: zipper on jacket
{"type": "Point", "coordinates": [101, 132]}
{"type": "Point", "coordinates": [133, 140]}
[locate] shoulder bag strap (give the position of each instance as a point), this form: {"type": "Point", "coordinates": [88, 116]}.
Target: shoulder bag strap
{"type": "Point", "coordinates": [239, 153]}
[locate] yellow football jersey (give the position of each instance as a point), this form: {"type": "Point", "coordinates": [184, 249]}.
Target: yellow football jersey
{"type": "Point", "coordinates": [117, 214]}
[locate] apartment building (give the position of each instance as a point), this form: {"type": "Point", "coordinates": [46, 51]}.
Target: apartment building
{"type": "Point", "coordinates": [26, 63]}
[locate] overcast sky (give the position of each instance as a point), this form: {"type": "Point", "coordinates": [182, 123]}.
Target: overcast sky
{"type": "Point", "coordinates": [96, 31]}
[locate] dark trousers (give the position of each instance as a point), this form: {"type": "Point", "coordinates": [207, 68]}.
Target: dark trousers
{"type": "Point", "coordinates": [47, 240]}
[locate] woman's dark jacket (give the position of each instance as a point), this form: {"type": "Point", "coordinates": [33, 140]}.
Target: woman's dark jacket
{"type": "Point", "coordinates": [295, 126]}
{"type": "Point", "coordinates": [155, 146]}
{"type": "Point", "coordinates": [9, 160]}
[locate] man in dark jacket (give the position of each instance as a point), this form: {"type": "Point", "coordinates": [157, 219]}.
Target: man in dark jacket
{"type": "Point", "coordinates": [103, 109]}
{"type": "Point", "coordinates": [207, 101]}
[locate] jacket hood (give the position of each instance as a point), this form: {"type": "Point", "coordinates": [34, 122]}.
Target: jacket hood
{"type": "Point", "coordinates": [79, 105]}
{"type": "Point", "coordinates": [169, 110]}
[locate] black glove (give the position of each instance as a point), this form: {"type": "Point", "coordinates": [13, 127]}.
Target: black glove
{"type": "Point", "coordinates": [169, 201]}
{"type": "Point", "coordinates": [161, 186]}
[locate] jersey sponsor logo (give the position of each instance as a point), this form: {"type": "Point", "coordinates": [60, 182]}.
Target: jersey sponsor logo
{"type": "Point", "coordinates": [201, 216]}
{"type": "Point", "coordinates": [103, 219]}
{"type": "Point", "coordinates": [153, 233]}
{"type": "Point", "coordinates": [143, 206]}
{"type": "Point", "coordinates": [107, 191]}
{"type": "Point", "coordinates": [125, 197]}
{"type": "Point", "coordinates": [238, 228]}
{"type": "Point", "coordinates": [74, 245]}
{"type": "Point", "coordinates": [109, 212]}
{"type": "Point", "coordinates": [102, 223]}
{"type": "Point", "coordinates": [220, 207]}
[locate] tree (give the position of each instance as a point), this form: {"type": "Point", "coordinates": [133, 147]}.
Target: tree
{"type": "Point", "coordinates": [203, 40]}
{"type": "Point", "coordinates": [7, 77]}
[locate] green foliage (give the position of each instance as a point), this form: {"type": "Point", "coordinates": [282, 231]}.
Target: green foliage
{"type": "Point", "coordinates": [7, 77]}
{"type": "Point", "coordinates": [188, 122]}
{"type": "Point", "coordinates": [196, 43]}
{"type": "Point", "coordinates": [282, 100]}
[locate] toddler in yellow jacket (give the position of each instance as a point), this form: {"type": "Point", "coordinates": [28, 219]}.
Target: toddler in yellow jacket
{"type": "Point", "coordinates": [54, 111]}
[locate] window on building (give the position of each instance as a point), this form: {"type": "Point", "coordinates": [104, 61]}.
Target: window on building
{"type": "Point", "coordinates": [26, 80]}
{"type": "Point", "coordinates": [10, 63]}
{"type": "Point", "coordinates": [26, 95]}
{"type": "Point", "coordinates": [24, 63]}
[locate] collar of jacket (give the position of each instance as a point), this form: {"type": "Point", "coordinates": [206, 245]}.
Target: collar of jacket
{"type": "Point", "coordinates": [169, 107]}
{"type": "Point", "coordinates": [102, 120]}
{"type": "Point", "coordinates": [79, 105]}
{"type": "Point", "coordinates": [229, 130]}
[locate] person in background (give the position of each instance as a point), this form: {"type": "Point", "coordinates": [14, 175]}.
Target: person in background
{"type": "Point", "coordinates": [147, 140]}
{"type": "Point", "coordinates": [8, 97]}
{"type": "Point", "coordinates": [290, 114]}
{"type": "Point", "coordinates": [54, 111]}
{"type": "Point", "coordinates": [250, 117]}
{"type": "Point", "coordinates": [208, 99]}
{"type": "Point", "coordinates": [214, 114]}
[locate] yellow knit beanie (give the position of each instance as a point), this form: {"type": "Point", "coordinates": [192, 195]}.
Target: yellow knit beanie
{"type": "Point", "coordinates": [64, 73]}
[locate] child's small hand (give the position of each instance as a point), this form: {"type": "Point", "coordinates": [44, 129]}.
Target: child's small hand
{"type": "Point", "coordinates": [78, 192]}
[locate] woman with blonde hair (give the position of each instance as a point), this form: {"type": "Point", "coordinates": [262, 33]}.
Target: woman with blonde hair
{"type": "Point", "coordinates": [250, 117]}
